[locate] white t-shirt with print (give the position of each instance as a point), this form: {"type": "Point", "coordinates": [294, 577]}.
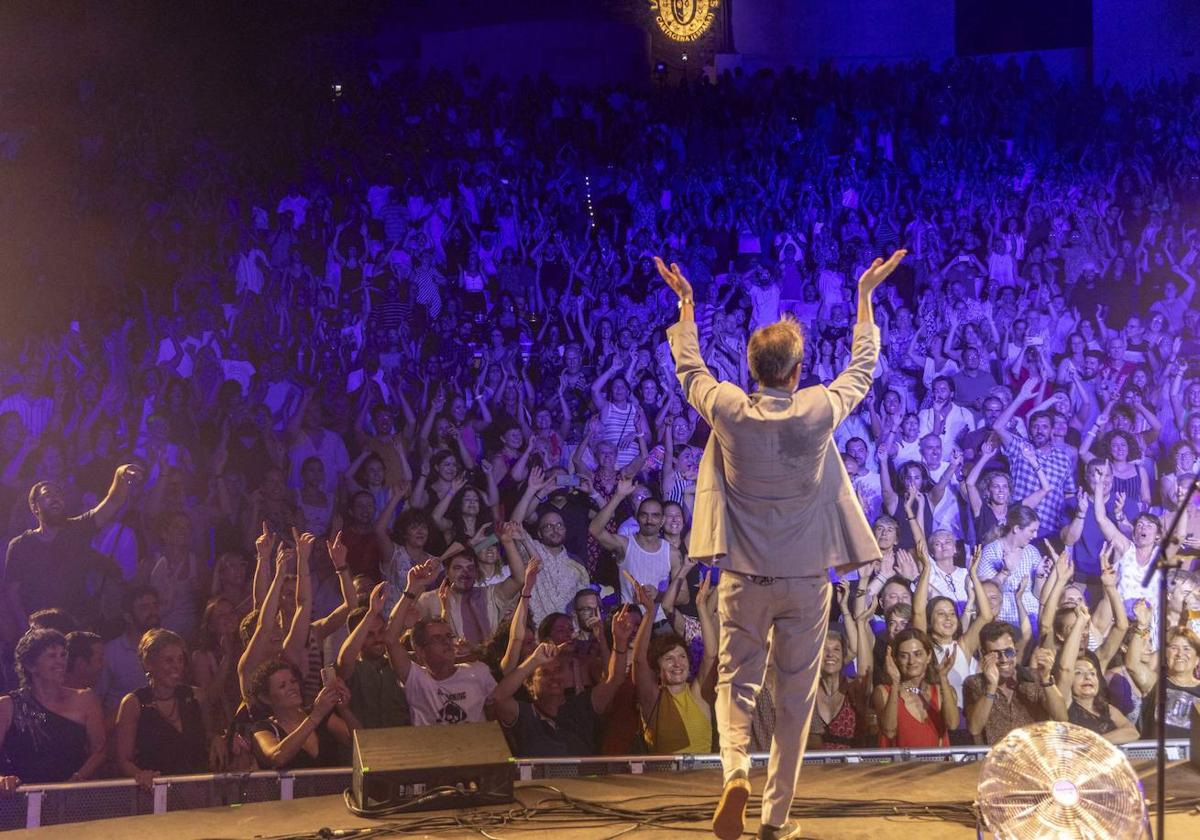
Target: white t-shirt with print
{"type": "Point", "coordinates": [457, 699]}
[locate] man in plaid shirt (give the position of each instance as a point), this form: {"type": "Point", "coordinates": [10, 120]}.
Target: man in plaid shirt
{"type": "Point", "coordinates": [1056, 463]}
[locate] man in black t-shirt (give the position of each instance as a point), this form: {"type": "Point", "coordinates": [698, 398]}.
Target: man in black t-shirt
{"type": "Point", "coordinates": [54, 565]}
{"type": "Point", "coordinates": [554, 724]}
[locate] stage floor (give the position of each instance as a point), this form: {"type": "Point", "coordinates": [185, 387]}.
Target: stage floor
{"type": "Point", "coordinates": [909, 781]}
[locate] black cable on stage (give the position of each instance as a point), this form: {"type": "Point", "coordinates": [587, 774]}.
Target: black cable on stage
{"type": "Point", "coordinates": [559, 810]}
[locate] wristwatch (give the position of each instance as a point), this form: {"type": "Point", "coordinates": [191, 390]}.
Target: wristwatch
{"type": "Point", "coordinates": [686, 302]}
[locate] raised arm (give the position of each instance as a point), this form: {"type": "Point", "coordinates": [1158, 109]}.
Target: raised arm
{"type": "Point", "coordinates": [1112, 643]}
{"type": "Point", "coordinates": [1073, 530]}
{"type": "Point", "coordinates": [622, 631]}
{"type": "Point", "coordinates": [1108, 528]}
{"type": "Point", "coordinates": [508, 588]}
{"type": "Point", "coordinates": [352, 647]}
{"type": "Point", "coordinates": [987, 451]}
{"type": "Point", "coordinates": [296, 642]}
{"type": "Point", "coordinates": [264, 550]}
{"type": "Point", "coordinates": [419, 578]}
{"type": "Point", "coordinates": [1142, 674]}
{"type": "Point", "coordinates": [1035, 498]}
{"type": "Point", "coordinates": [602, 380]}
{"type": "Point", "coordinates": [644, 679]}
{"type": "Point", "coordinates": [891, 499]}
{"type": "Point", "coordinates": [700, 387]}
{"type": "Point", "coordinates": [382, 537]}
{"type": "Point", "coordinates": [612, 542]}
{"type": "Point", "coordinates": [1043, 666]}
{"type": "Point", "coordinates": [706, 609]}
{"type": "Point", "coordinates": [516, 626]}
{"type": "Point", "coordinates": [853, 383]}
{"type": "Point", "coordinates": [969, 641]}
{"type": "Point", "coordinates": [438, 514]}
{"type": "Point", "coordinates": [324, 627]}
{"type": "Point", "coordinates": [920, 618]}
{"type": "Point", "coordinates": [503, 695]}
{"type": "Point", "coordinates": [1025, 393]}
{"type": "Point", "coordinates": [887, 699]}
{"type": "Point", "coordinates": [256, 649]}
{"type": "Point", "coordinates": [118, 492]}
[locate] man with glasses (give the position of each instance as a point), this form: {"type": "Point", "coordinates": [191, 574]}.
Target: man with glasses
{"type": "Point", "coordinates": [439, 690]}
{"type": "Point", "coordinates": [1004, 695]}
{"type": "Point", "coordinates": [561, 575]}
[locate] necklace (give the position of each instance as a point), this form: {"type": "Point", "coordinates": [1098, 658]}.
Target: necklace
{"type": "Point", "coordinates": [947, 578]}
{"type": "Point", "coordinates": [913, 689]}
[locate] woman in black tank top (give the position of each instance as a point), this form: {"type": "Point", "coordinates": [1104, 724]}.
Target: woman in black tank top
{"type": "Point", "coordinates": [162, 729]}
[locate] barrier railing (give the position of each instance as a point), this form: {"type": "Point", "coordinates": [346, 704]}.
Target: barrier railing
{"type": "Point", "coordinates": [32, 806]}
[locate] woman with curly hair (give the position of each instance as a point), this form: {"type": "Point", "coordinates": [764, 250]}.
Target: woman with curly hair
{"type": "Point", "coordinates": [49, 732]}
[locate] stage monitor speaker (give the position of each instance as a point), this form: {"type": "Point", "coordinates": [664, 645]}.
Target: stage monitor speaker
{"type": "Point", "coordinates": [423, 768]}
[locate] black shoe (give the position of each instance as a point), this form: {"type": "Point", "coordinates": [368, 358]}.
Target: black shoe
{"type": "Point", "coordinates": [787, 831]}
{"type": "Point", "coordinates": [729, 820]}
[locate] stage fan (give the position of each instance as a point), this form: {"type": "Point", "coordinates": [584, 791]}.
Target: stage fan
{"type": "Point", "coordinates": [1057, 781]}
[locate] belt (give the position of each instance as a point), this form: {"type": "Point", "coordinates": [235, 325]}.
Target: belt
{"type": "Point", "coordinates": [761, 580]}
{"type": "Point", "coordinates": [766, 580]}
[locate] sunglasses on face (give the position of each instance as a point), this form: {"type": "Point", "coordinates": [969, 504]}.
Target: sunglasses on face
{"type": "Point", "coordinates": [1006, 653]}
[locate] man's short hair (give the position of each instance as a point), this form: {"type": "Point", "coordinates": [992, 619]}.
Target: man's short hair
{"type": "Point", "coordinates": [35, 491]}
{"type": "Point", "coordinates": [133, 594]}
{"type": "Point", "coordinates": [420, 630]}
{"type": "Point", "coordinates": [81, 645]}
{"type": "Point", "coordinates": [584, 593]}
{"type": "Point", "coordinates": [774, 351]}
{"type": "Point", "coordinates": [994, 630]}
{"type": "Point", "coordinates": [650, 497]}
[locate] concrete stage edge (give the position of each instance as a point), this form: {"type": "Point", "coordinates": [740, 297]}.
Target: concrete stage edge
{"type": "Point", "coordinates": [909, 781]}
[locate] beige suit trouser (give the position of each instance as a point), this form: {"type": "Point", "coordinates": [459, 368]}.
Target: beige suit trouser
{"type": "Point", "coordinates": [784, 623]}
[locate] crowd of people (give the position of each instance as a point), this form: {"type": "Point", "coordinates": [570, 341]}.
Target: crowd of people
{"type": "Point", "coordinates": [401, 443]}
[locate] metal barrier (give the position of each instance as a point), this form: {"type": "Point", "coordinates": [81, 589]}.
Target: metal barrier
{"type": "Point", "coordinates": [32, 806]}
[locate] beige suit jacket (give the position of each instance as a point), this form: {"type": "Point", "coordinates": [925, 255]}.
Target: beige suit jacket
{"type": "Point", "coordinates": [772, 495]}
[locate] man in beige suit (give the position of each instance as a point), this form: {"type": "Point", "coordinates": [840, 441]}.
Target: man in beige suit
{"type": "Point", "coordinates": [776, 510]}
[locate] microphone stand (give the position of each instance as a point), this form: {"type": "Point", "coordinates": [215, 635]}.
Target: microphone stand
{"type": "Point", "coordinates": [1160, 563]}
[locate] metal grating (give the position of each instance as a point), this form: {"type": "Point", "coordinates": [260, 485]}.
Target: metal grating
{"type": "Point", "coordinates": [323, 785]}
{"type": "Point", "coordinates": [186, 796]}
{"type": "Point", "coordinates": [259, 790]}
{"type": "Point", "coordinates": [13, 811]}
{"type": "Point", "coordinates": [67, 805]}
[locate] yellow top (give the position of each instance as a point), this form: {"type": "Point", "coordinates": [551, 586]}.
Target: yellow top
{"type": "Point", "coordinates": [679, 724]}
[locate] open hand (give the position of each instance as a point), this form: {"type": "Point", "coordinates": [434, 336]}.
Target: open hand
{"type": "Point", "coordinates": [675, 279]}
{"type": "Point", "coordinates": [893, 670]}
{"type": "Point", "coordinates": [879, 271]}
{"type": "Point", "coordinates": [531, 572]}
{"type": "Point", "coordinates": [990, 666]}
{"type": "Point", "coordinates": [378, 598]}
